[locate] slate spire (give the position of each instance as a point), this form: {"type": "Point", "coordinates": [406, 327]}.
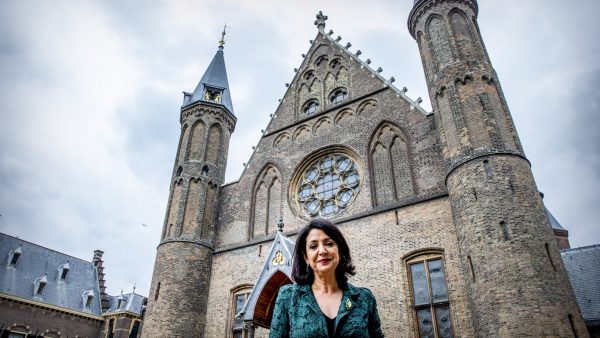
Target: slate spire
{"type": "Point", "coordinates": [213, 86]}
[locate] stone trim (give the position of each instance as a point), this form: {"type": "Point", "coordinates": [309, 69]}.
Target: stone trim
{"type": "Point", "coordinates": [23, 301]}
{"type": "Point", "coordinates": [479, 154]}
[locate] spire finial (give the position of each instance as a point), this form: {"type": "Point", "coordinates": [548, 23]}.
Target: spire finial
{"type": "Point", "coordinates": [222, 41]}
{"type": "Point", "coordinates": [280, 225]}
{"type": "Point", "coordinates": [320, 22]}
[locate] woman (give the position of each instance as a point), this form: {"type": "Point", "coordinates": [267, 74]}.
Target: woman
{"type": "Point", "coordinates": [322, 303]}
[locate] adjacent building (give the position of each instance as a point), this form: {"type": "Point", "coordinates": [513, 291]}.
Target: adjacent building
{"type": "Point", "coordinates": [46, 293]}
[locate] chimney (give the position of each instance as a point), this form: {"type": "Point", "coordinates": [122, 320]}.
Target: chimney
{"type": "Point", "coordinates": [97, 261]}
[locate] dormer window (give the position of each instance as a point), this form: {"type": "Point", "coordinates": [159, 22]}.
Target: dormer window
{"type": "Point", "coordinates": [339, 95]}
{"type": "Point", "coordinates": [39, 285]}
{"type": "Point", "coordinates": [13, 256]}
{"type": "Point", "coordinates": [121, 301]}
{"type": "Point", "coordinates": [212, 95]}
{"type": "Point", "coordinates": [311, 107]}
{"type": "Point", "coordinates": [88, 297]}
{"type": "Point", "coordinates": [63, 271]}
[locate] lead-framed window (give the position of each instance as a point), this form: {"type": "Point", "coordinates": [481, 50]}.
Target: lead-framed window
{"type": "Point", "coordinates": [239, 297]}
{"type": "Point", "coordinates": [429, 293]}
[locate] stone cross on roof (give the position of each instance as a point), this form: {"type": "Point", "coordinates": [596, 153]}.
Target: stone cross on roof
{"type": "Point", "coordinates": [320, 22]}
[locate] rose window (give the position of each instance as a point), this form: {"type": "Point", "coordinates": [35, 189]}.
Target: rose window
{"type": "Point", "coordinates": [328, 186]}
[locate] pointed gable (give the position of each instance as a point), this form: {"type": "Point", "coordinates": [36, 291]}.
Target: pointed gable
{"type": "Point", "coordinates": [276, 272]}
{"type": "Point", "coordinates": [328, 66]}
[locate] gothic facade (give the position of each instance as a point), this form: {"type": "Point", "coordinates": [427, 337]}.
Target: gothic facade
{"type": "Point", "coordinates": [440, 209]}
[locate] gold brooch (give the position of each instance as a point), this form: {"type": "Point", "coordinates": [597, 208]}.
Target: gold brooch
{"type": "Point", "coordinates": [348, 304]}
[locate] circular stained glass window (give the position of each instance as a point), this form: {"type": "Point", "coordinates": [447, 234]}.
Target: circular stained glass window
{"type": "Point", "coordinates": [328, 186]}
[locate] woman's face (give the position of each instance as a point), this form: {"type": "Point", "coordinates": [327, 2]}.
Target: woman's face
{"type": "Point", "coordinates": [322, 252]}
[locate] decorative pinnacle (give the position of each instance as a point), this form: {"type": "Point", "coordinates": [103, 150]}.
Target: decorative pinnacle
{"type": "Point", "coordinates": [280, 225]}
{"type": "Point", "coordinates": [222, 41]}
{"type": "Point", "coordinates": [320, 22]}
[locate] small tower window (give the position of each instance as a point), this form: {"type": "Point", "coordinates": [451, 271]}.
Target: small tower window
{"type": "Point", "coordinates": [88, 297]}
{"type": "Point", "coordinates": [39, 285]}
{"type": "Point", "coordinates": [63, 271]}
{"type": "Point", "coordinates": [311, 107]}
{"type": "Point", "coordinates": [338, 95]}
{"type": "Point", "coordinates": [212, 95]}
{"type": "Point", "coordinates": [205, 171]}
{"type": "Point", "coordinates": [179, 170]}
{"type": "Point", "coordinates": [13, 256]}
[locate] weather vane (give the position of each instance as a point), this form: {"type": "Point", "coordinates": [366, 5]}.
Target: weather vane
{"type": "Point", "coordinates": [222, 41]}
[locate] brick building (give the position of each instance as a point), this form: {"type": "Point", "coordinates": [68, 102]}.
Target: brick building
{"type": "Point", "coordinates": [440, 209]}
{"type": "Point", "coordinates": [46, 293]}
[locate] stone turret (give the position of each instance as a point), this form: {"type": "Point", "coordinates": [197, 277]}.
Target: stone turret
{"type": "Point", "coordinates": [179, 290]}
{"type": "Point", "coordinates": [497, 209]}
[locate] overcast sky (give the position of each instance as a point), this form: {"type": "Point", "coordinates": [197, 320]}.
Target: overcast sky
{"type": "Point", "coordinates": [90, 93]}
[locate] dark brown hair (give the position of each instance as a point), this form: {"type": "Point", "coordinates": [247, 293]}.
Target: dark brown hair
{"type": "Point", "coordinates": [302, 273]}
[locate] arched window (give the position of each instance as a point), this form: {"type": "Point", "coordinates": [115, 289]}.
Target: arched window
{"type": "Point", "coordinates": [309, 75]}
{"type": "Point", "coordinates": [239, 297]}
{"type": "Point", "coordinates": [335, 64]}
{"type": "Point", "coordinates": [322, 59]}
{"type": "Point", "coordinates": [311, 107]}
{"type": "Point", "coordinates": [327, 186]}
{"type": "Point", "coordinates": [391, 162]}
{"type": "Point", "coordinates": [429, 295]}
{"type": "Point", "coordinates": [339, 95]}
{"type": "Point", "coordinates": [266, 202]}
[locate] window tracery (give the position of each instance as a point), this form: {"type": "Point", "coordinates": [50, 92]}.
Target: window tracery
{"type": "Point", "coordinates": [328, 186]}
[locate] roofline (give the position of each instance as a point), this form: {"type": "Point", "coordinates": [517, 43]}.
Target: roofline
{"type": "Point", "coordinates": [41, 246]}
{"type": "Point", "coordinates": [51, 307]}
{"type": "Point", "coordinates": [581, 248]}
